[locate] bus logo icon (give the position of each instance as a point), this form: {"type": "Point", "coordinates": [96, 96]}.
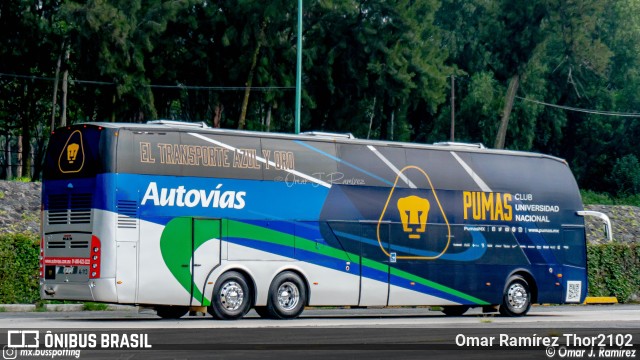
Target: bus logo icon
{"type": "Point", "coordinates": [71, 158]}
{"type": "Point", "coordinates": [413, 209]}
{"type": "Point", "coordinates": [72, 152]}
{"type": "Point", "coordinates": [413, 214]}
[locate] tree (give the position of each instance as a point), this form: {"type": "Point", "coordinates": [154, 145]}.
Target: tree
{"type": "Point", "coordinates": [26, 45]}
{"type": "Point", "coordinates": [115, 37]}
{"type": "Point", "coordinates": [528, 47]}
{"type": "Point", "coordinates": [381, 65]}
{"type": "Point", "coordinates": [625, 176]}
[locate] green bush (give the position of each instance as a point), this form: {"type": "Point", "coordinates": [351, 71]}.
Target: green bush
{"type": "Point", "coordinates": [594, 198]}
{"type": "Point", "coordinates": [614, 270]}
{"type": "Point", "coordinates": [19, 268]}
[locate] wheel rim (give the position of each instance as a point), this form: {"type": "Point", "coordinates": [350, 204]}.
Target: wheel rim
{"type": "Point", "coordinates": [517, 296]}
{"type": "Point", "coordinates": [288, 296]}
{"type": "Point", "coordinates": [231, 296]}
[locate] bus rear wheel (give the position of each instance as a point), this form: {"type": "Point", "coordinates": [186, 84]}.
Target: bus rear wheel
{"type": "Point", "coordinates": [287, 296]}
{"type": "Point", "coordinates": [516, 300]}
{"type": "Point", "coordinates": [457, 310]}
{"type": "Point", "coordinates": [171, 312]}
{"type": "Point", "coordinates": [231, 297]}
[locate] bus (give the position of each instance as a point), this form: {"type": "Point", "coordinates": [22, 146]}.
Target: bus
{"type": "Point", "coordinates": [181, 217]}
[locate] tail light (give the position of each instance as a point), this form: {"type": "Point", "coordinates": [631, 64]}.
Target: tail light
{"type": "Point", "coordinates": [94, 260]}
{"type": "Point", "coordinates": [41, 258]}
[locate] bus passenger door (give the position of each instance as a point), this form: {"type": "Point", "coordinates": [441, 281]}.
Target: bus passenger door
{"type": "Point", "coordinates": [205, 242]}
{"type": "Point", "coordinates": [573, 256]}
{"type": "Point", "coordinates": [374, 264]}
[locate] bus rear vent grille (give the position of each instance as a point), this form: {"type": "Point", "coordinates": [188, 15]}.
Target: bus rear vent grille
{"type": "Point", "coordinates": [69, 209]}
{"type": "Point", "coordinates": [71, 244]}
{"type": "Point", "coordinates": [127, 214]}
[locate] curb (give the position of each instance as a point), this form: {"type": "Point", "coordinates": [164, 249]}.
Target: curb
{"type": "Point", "coordinates": [601, 300]}
{"type": "Point", "coordinates": [17, 307]}
{"type": "Point", "coordinates": [63, 307]}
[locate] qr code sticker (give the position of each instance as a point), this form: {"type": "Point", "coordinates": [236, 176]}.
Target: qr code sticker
{"type": "Point", "coordinates": [574, 289]}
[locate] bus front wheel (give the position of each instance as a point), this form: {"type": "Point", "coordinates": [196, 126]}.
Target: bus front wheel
{"type": "Point", "coordinates": [231, 297]}
{"type": "Point", "coordinates": [287, 296]}
{"type": "Point", "coordinates": [516, 300]}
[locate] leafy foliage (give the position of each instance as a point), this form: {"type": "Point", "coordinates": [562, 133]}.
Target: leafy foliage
{"type": "Point", "coordinates": [595, 198]}
{"type": "Point", "coordinates": [614, 270]}
{"type": "Point", "coordinates": [378, 69]}
{"type": "Point", "coordinates": [19, 271]}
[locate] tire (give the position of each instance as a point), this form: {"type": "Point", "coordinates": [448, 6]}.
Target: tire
{"type": "Point", "coordinates": [171, 312]}
{"type": "Point", "coordinates": [231, 297]}
{"type": "Point", "coordinates": [263, 312]}
{"type": "Point", "coordinates": [457, 310]}
{"type": "Point", "coordinates": [287, 296]}
{"type": "Point", "coordinates": [516, 300]}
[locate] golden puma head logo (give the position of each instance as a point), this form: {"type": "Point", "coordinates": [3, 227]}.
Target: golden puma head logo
{"type": "Point", "coordinates": [72, 156]}
{"type": "Point", "coordinates": [72, 152]}
{"type": "Point", "coordinates": [413, 214]}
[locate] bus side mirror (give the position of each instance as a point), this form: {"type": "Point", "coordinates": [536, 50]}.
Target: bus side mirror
{"type": "Point", "coordinates": [601, 216]}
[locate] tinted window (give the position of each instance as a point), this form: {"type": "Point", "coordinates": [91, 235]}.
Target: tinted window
{"type": "Point", "coordinates": [79, 151]}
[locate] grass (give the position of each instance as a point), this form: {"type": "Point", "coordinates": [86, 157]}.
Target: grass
{"type": "Point", "coordinates": [23, 179]}
{"type": "Point", "coordinates": [486, 320]}
{"type": "Point", "coordinates": [92, 306]}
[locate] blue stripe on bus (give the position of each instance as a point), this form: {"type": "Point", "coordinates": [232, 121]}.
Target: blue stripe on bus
{"type": "Point", "coordinates": [375, 274]}
{"type": "Point", "coordinates": [406, 284]}
{"type": "Point", "coordinates": [339, 265]}
{"type": "Point", "coordinates": [474, 252]}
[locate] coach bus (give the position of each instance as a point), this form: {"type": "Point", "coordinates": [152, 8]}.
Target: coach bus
{"type": "Point", "coordinates": [179, 217]}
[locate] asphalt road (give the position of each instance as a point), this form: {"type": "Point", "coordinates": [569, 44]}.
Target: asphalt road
{"type": "Point", "coordinates": [589, 316]}
{"type": "Point", "coordinates": [608, 331]}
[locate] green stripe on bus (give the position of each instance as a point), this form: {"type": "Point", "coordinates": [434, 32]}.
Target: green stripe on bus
{"type": "Point", "coordinates": [448, 290]}
{"type": "Point", "coordinates": [254, 232]}
{"type": "Point", "coordinates": [258, 233]}
{"type": "Point", "coordinates": [175, 253]}
{"type": "Point", "coordinates": [375, 265]}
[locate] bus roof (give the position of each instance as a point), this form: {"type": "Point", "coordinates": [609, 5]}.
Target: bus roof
{"type": "Point", "coordinates": [345, 138]}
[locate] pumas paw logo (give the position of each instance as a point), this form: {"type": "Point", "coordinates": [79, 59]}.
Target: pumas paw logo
{"type": "Point", "coordinates": [413, 207]}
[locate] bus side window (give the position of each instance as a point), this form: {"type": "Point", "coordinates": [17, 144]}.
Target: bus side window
{"type": "Point", "coordinates": [573, 245]}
